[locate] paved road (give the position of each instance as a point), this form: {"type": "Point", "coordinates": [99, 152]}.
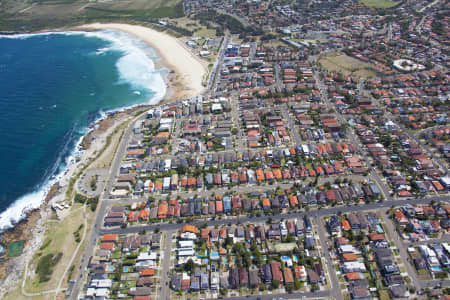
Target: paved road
{"type": "Point", "coordinates": [402, 249]}
{"type": "Point", "coordinates": [75, 253]}
{"type": "Point", "coordinates": [315, 213]}
{"type": "Point", "coordinates": [291, 125]}
{"type": "Point", "coordinates": [239, 18]}
{"type": "Point", "coordinates": [412, 136]}
{"type": "Point", "coordinates": [215, 72]}
{"type": "Point", "coordinates": [373, 174]}
{"type": "Point", "coordinates": [90, 244]}
{"type": "Point", "coordinates": [429, 5]}
{"type": "Point", "coordinates": [445, 238]}
{"type": "Point", "coordinates": [437, 160]}
{"type": "Point", "coordinates": [318, 294]}
{"type": "Point", "coordinates": [335, 286]}
{"type": "Point", "coordinates": [164, 278]}
{"type": "Point", "coordinates": [83, 185]}
{"type": "Point", "coordinates": [278, 81]}
{"type": "Point", "coordinates": [433, 283]}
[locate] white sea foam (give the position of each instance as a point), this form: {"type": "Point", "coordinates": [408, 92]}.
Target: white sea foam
{"type": "Point", "coordinates": [16, 211]}
{"type": "Point", "coordinates": [135, 67]}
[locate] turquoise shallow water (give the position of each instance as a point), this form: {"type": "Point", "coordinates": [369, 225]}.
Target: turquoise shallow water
{"type": "Point", "coordinates": [52, 87]}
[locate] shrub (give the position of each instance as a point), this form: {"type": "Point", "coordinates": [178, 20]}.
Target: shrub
{"type": "Point", "coordinates": [45, 266]}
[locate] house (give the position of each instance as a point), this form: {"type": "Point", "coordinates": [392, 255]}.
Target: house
{"type": "Point", "coordinates": [398, 291]}
{"type": "Point", "coordinates": [140, 291]}
{"type": "Point", "coordinates": [111, 238]}
{"type": "Point", "coordinates": [353, 266]}
{"type": "Point", "coordinates": [234, 278]}
{"type": "Point", "coordinates": [309, 242]}
{"type": "Point", "coordinates": [215, 280]}
{"type": "Point", "coordinates": [254, 279]}
{"type": "Point", "coordinates": [175, 282]}
{"type": "Point", "coordinates": [354, 221]}
{"type": "Point", "coordinates": [288, 278]}
{"type": "Point", "coordinates": [300, 273]}
{"type": "Point", "coordinates": [360, 293]}
{"type": "Point", "coordinates": [243, 277]}
{"type": "Point", "coordinates": [195, 284]}
{"type": "Point", "coordinates": [400, 218]}
{"type": "Point", "coordinates": [313, 278]}
{"type": "Point", "coordinates": [393, 279]}
{"type": "Point", "coordinates": [204, 281]}
{"type": "Point", "coordinates": [333, 224]}
{"type": "Point", "coordinates": [276, 271]}
{"type": "Point", "coordinates": [156, 240]}
{"type": "Point", "coordinates": [145, 281]}
{"type": "Point", "coordinates": [266, 273]}
{"type": "Point", "coordinates": [107, 246]}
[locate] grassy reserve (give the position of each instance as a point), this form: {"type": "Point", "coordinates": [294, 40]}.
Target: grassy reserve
{"type": "Point", "coordinates": [346, 65]}
{"type": "Point", "coordinates": [380, 3]}
{"type": "Point", "coordinates": [37, 15]}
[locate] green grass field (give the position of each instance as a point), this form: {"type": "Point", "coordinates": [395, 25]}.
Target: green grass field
{"type": "Point", "coordinates": [346, 65]}
{"type": "Point", "coordinates": [52, 14]}
{"type": "Point", "coordinates": [379, 3]}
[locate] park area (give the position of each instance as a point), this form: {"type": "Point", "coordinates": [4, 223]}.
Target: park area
{"type": "Point", "coordinates": [380, 3]}
{"type": "Point", "coordinates": [54, 14]}
{"type": "Point", "coordinates": [53, 258]}
{"type": "Point", "coordinates": [346, 65]}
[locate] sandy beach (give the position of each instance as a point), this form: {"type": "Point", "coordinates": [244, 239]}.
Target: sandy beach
{"type": "Point", "coordinates": [189, 70]}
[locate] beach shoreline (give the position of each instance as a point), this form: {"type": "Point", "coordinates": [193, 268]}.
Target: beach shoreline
{"type": "Point", "coordinates": [178, 85]}
{"type": "Point", "coordinates": [188, 70]}
{"type": "Point", "coordinates": [184, 81]}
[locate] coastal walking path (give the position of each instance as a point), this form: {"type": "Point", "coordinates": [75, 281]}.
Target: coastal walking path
{"type": "Point", "coordinates": [33, 294]}
{"type": "Point", "coordinates": [75, 253]}
{"type": "Point", "coordinates": [58, 289]}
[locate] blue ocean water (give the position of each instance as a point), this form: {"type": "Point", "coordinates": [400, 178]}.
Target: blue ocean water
{"type": "Point", "coordinates": [52, 87]}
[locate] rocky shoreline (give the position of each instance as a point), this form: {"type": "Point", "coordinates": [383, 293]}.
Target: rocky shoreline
{"type": "Point", "coordinates": [31, 229]}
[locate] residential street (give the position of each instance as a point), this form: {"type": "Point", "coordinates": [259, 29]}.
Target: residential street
{"type": "Point", "coordinates": [402, 249]}
{"type": "Point", "coordinates": [321, 212]}
{"type": "Point", "coordinates": [164, 278]}
{"type": "Point", "coordinates": [335, 286]}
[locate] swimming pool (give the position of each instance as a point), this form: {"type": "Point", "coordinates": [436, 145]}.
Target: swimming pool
{"type": "Point", "coordinates": [436, 269]}
{"type": "Point", "coordinates": [110, 269]}
{"type": "Point", "coordinates": [125, 269]}
{"type": "Point", "coordinates": [380, 229]}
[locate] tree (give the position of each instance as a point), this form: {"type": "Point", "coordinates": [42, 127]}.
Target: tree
{"type": "Point", "coordinates": [189, 266]}
{"type": "Point", "coordinates": [275, 284]}
{"type": "Point", "coordinates": [223, 291]}
{"type": "Point", "coordinates": [228, 242]}
{"type": "Point", "coordinates": [290, 238]}
{"type": "Point", "coordinates": [298, 284]}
